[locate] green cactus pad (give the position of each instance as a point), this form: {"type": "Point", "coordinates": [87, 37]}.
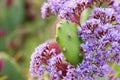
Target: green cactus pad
{"type": "Point", "coordinates": [10, 69]}
{"type": "Point", "coordinates": [117, 69]}
{"type": "Point", "coordinates": [69, 42]}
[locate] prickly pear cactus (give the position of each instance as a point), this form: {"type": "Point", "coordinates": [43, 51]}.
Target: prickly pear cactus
{"type": "Point", "coordinates": [10, 69]}
{"type": "Point", "coordinates": [117, 69]}
{"type": "Point", "coordinates": [69, 42]}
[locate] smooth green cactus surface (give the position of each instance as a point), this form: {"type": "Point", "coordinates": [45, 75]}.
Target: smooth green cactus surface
{"type": "Point", "coordinates": [69, 42]}
{"type": "Point", "coordinates": [10, 69]}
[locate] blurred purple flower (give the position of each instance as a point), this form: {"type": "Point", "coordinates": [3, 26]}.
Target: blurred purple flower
{"type": "Point", "coordinates": [1, 65]}
{"type": "Point", "coordinates": [45, 10]}
{"type": "Point", "coordinates": [2, 32]}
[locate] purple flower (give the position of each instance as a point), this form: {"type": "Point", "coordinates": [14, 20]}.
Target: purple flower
{"type": "Point", "coordinates": [2, 32]}
{"type": "Point", "coordinates": [45, 10]}
{"type": "Point", "coordinates": [36, 65]}
{"type": "Point", "coordinates": [102, 43]}
{"type": "Point", "coordinates": [105, 15]}
{"type": "Point", "coordinates": [100, 33]}
{"type": "Point", "coordinates": [91, 30]}
{"type": "Point", "coordinates": [72, 73]}
{"type": "Point", "coordinates": [56, 67]}
{"type": "Point", "coordinates": [48, 57]}
{"type": "Point", "coordinates": [102, 39]}
{"type": "Point", "coordinates": [40, 57]}
{"type": "Point", "coordinates": [73, 11]}
{"type": "Point", "coordinates": [63, 10]}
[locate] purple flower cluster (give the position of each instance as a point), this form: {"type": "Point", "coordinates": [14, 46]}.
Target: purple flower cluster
{"type": "Point", "coordinates": [44, 59]}
{"type": "Point", "coordinates": [100, 33]}
{"type": "Point", "coordinates": [71, 9]}
{"type": "Point", "coordinates": [101, 36]}
{"type": "Point", "coordinates": [47, 57]}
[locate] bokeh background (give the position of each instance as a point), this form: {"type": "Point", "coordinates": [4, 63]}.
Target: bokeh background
{"type": "Point", "coordinates": [21, 30]}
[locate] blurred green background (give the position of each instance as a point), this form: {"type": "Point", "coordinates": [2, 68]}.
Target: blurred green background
{"type": "Point", "coordinates": [21, 30]}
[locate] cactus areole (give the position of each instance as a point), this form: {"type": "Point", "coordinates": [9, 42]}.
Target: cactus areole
{"type": "Point", "coordinates": [69, 42]}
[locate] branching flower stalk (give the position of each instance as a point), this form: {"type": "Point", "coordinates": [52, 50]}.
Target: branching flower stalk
{"type": "Point", "coordinates": [99, 41]}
